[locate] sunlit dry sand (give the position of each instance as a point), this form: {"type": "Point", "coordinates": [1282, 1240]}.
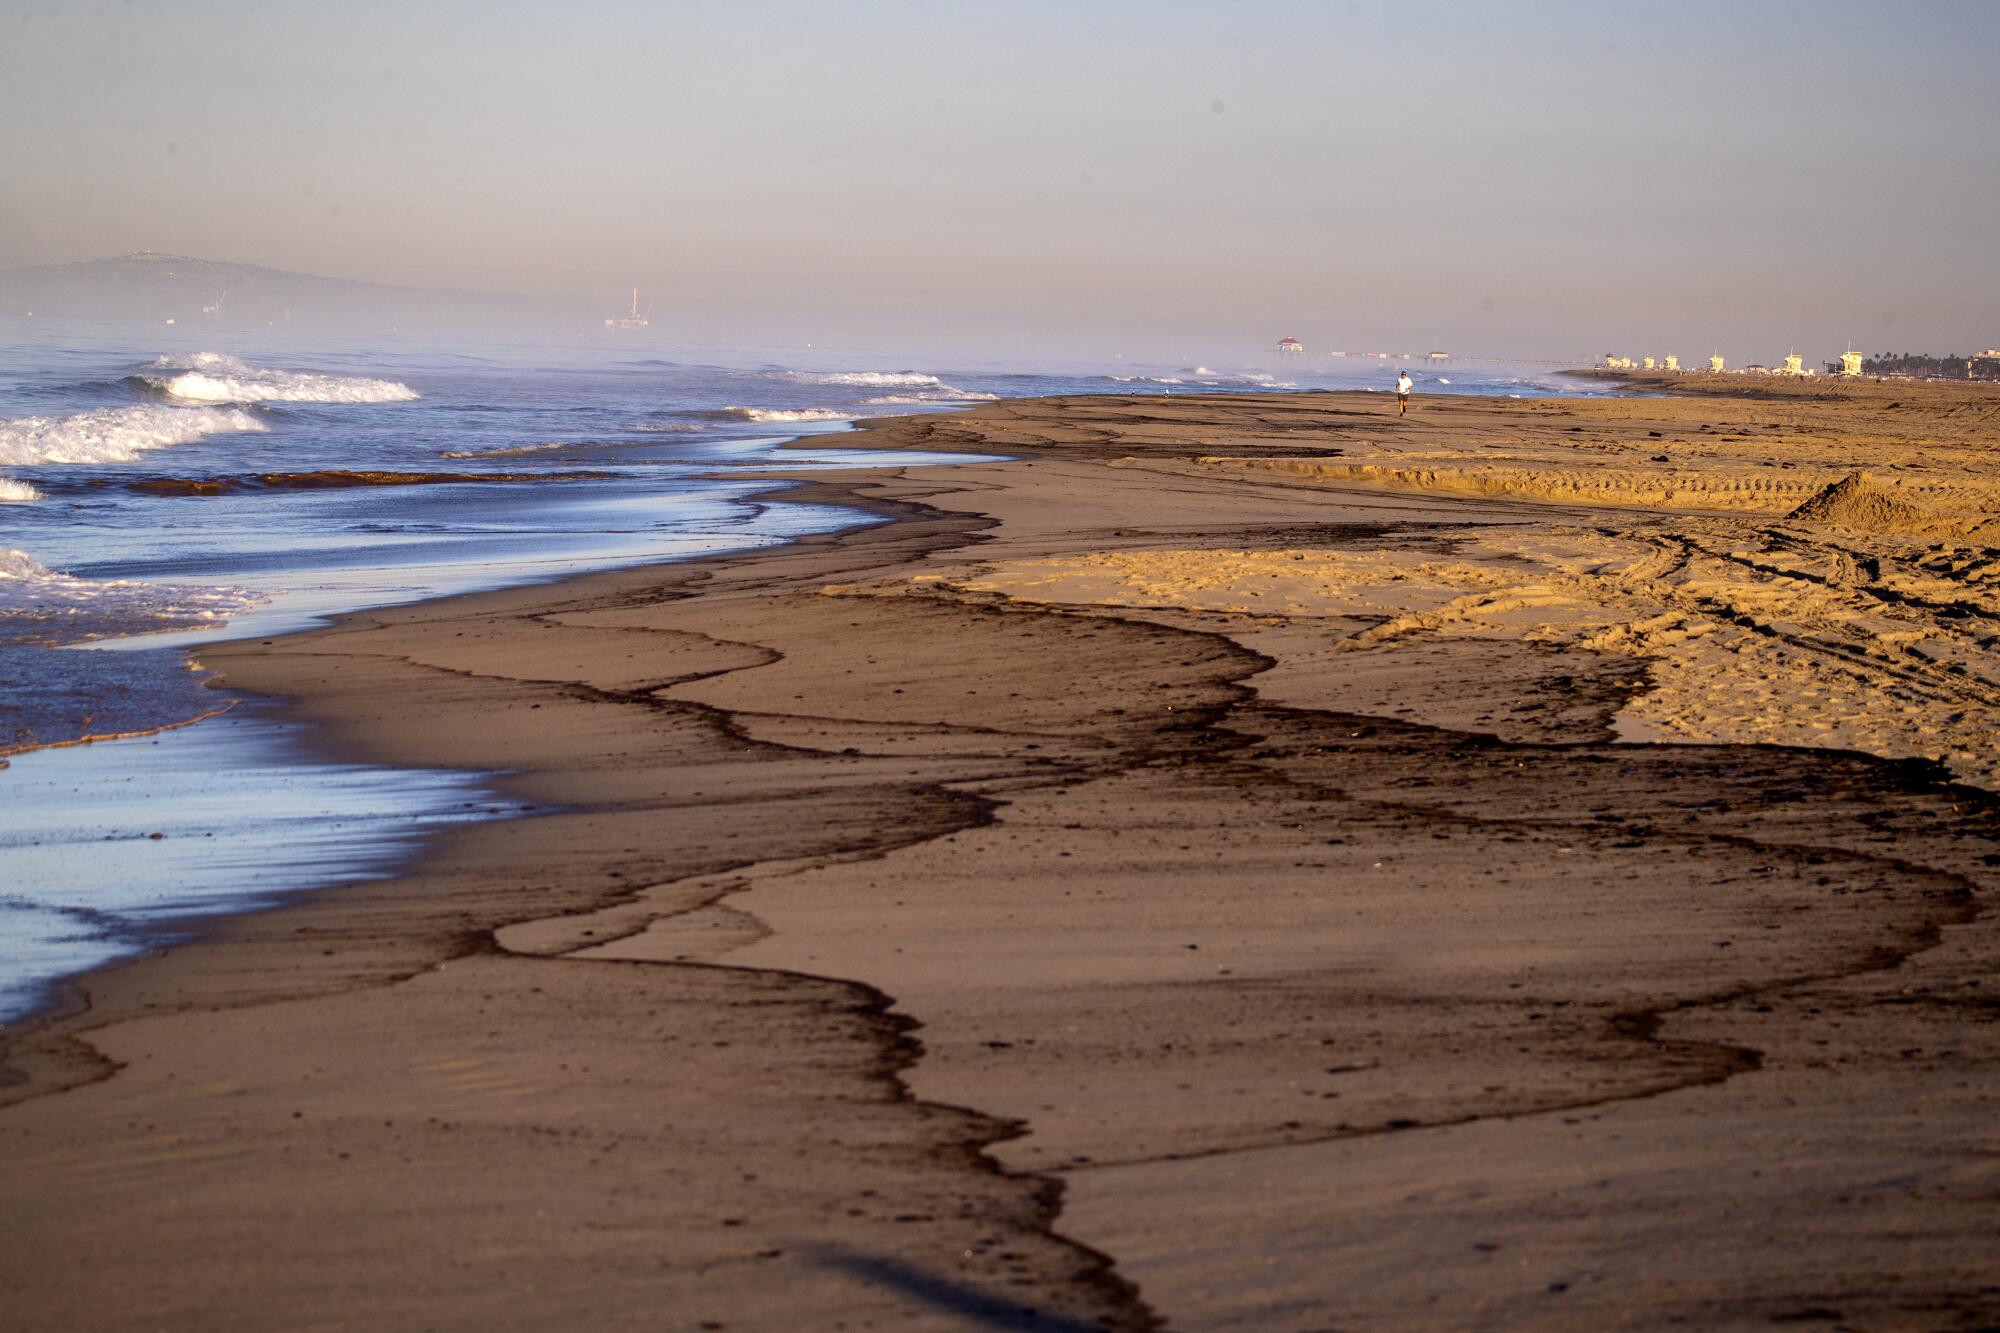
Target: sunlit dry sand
{"type": "Point", "coordinates": [1790, 638]}
{"type": "Point", "coordinates": [1172, 878]}
{"type": "Point", "coordinates": [1861, 612]}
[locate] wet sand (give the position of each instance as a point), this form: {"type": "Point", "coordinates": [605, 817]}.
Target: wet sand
{"type": "Point", "coordinates": [1251, 862]}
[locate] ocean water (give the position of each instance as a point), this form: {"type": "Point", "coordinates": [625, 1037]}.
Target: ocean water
{"type": "Point", "coordinates": [115, 850]}
{"type": "Point", "coordinates": [162, 487]}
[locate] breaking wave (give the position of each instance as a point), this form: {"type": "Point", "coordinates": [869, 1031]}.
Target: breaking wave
{"type": "Point", "coordinates": [211, 377]}
{"type": "Point", "coordinates": [116, 434]}
{"type": "Point", "coordinates": [17, 492]}
{"type": "Point", "coordinates": [943, 394]}
{"type": "Point", "coordinates": [1209, 379]}
{"type": "Point", "coordinates": [784, 414]}
{"type": "Point", "coordinates": [41, 606]}
{"type": "Point", "coordinates": [866, 379]}
{"type": "Point", "coordinates": [1257, 378]}
{"type": "Point", "coordinates": [512, 451]}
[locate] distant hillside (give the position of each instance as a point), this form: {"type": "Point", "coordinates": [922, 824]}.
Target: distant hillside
{"type": "Point", "coordinates": [153, 286]}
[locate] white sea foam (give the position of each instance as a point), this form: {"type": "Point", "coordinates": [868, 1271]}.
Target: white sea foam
{"type": "Point", "coordinates": [41, 605]}
{"type": "Point", "coordinates": [514, 451]}
{"type": "Point", "coordinates": [786, 414]}
{"type": "Point", "coordinates": [866, 379]}
{"type": "Point", "coordinates": [1213, 378]}
{"type": "Point", "coordinates": [211, 377]}
{"type": "Point", "coordinates": [17, 492]}
{"type": "Point", "coordinates": [115, 434]}
{"type": "Point", "coordinates": [944, 393]}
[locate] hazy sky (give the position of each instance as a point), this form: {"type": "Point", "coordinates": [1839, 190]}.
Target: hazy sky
{"type": "Point", "coordinates": [1157, 178]}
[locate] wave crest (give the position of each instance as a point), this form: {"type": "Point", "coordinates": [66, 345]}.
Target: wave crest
{"type": "Point", "coordinates": [42, 606]}
{"type": "Point", "coordinates": [116, 434]}
{"type": "Point", "coordinates": [867, 379]}
{"type": "Point", "coordinates": [784, 414]}
{"type": "Point", "coordinates": [942, 394]}
{"type": "Point", "coordinates": [17, 492]}
{"type": "Point", "coordinates": [511, 451]}
{"type": "Point", "coordinates": [211, 377]}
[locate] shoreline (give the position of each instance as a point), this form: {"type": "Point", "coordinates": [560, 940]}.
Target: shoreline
{"type": "Point", "coordinates": [168, 932]}
{"type": "Point", "coordinates": [864, 816]}
{"type": "Point", "coordinates": [882, 1034]}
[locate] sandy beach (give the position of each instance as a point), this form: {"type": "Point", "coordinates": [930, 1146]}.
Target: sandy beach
{"type": "Point", "coordinates": [1246, 862]}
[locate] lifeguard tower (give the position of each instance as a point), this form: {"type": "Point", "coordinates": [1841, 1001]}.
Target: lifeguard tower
{"type": "Point", "coordinates": [1648, 363]}
{"type": "Point", "coordinates": [1291, 347]}
{"type": "Point", "coordinates": [1672, 362]}
{"type": "Point", "coordinates": [1794, 364]}
{"type": "Point", "coordinates": [1850, 362]}
{"type": "Point", "coordinates": [1716, 364]}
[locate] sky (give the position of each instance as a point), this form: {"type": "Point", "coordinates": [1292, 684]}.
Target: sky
{"type": "Point", "coordinates": [1158, 179]}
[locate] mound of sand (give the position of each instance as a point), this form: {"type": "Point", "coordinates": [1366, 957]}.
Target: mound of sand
{"type": "Point", "coordinates": [1852, 502]}
{"type": "Point", "coordinates": [1749, 492]}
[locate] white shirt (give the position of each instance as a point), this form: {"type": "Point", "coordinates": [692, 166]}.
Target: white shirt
{"type": "Point", "coordinates": [1403, 384]}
